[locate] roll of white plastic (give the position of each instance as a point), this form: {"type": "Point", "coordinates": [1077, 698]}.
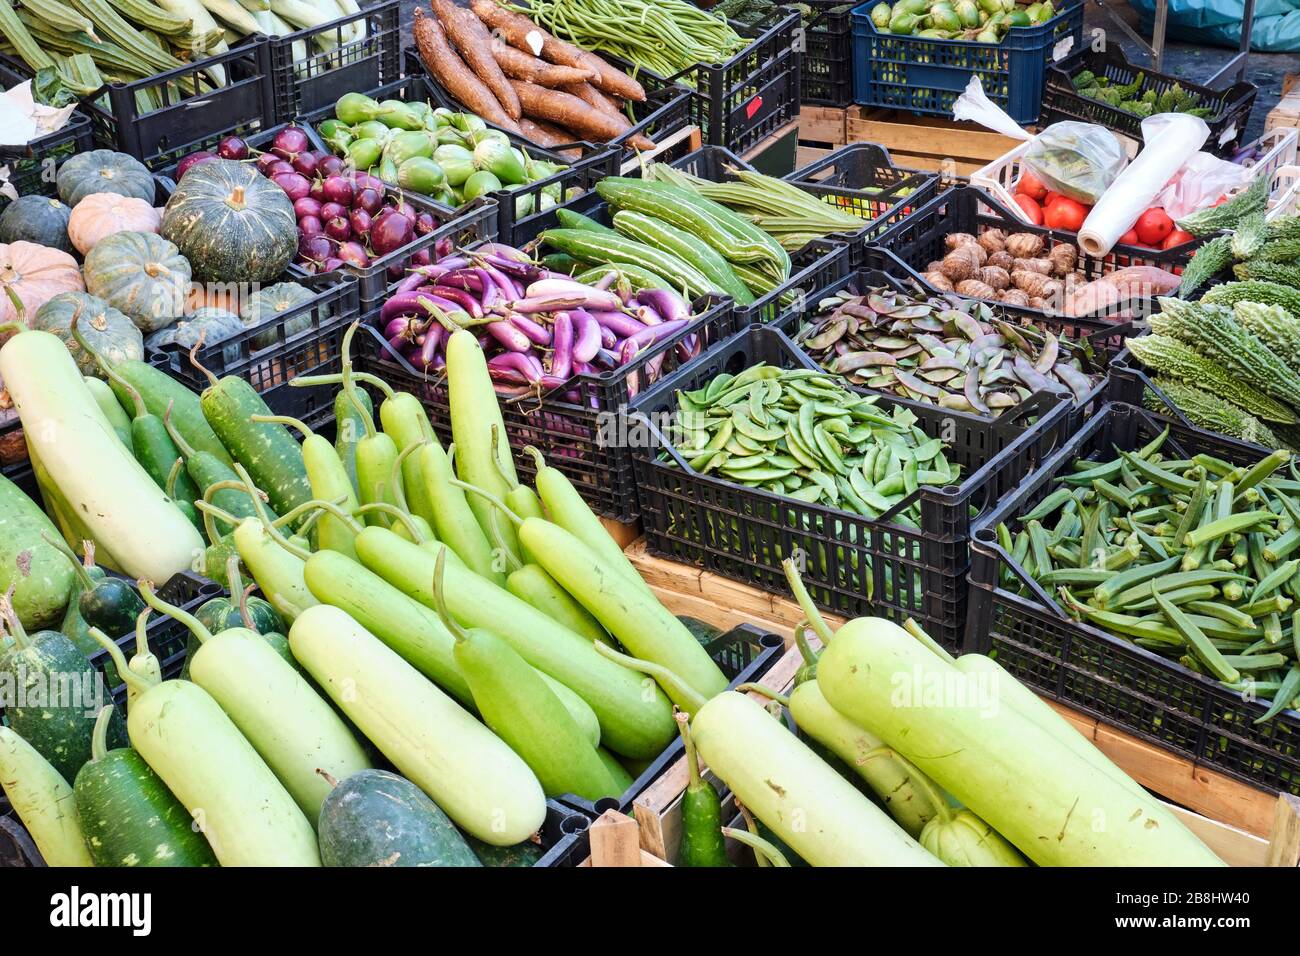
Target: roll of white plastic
{"type": "Point", "coordinates": [1171, 140]}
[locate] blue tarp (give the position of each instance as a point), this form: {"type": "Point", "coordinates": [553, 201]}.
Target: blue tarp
{"type": "Point", "coordinates": [1276, 30]}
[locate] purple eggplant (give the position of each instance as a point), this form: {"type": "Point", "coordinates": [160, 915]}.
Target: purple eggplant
{"type": "Point", "coordinates": [622, 325]}
{"type": "Point", "coordinates": [605, 281]}
{"type": "Point", "coordinates": [671, 306]}
{"type": "Point", "coordinates": [520, 362]}
{"type": "Point", "coordinates": [469, 279]}
{"type": "Point", "coordinates": [562, 343]}
{"type": "Point", "coordinates": [586, 336]}
{"type": "Point", "coordinates": [417, 302]}
{"type": "Point", "coordinates": [648, 315]}
{"type": "Point", "coordinates": [429, 349]}
{"type": "Point", "coordinates": [462, 298]}
{"type": "Point", "coordinates": [536, 332]}
{"type": "Point", "coordinates": [567, 288]}
{"type": "Point", "coordinates": [509, 336]}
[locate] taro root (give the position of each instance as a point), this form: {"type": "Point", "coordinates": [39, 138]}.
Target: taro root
{"type": "Point", "coordinates": [994, 276]}
{"type": "Point", "coordinates": [993, 240]}
{"type": "Point", "coordinates": [1003, 260]}
{"type": "Point", "coordinates": [946, 350]}
{"type": "Point", "coordinates": [1063, 257]}
{"type": "Point", "coordinates": [1025, 245]}
{"type": "Point", "coordinates": [938, 280]}
{"type": "Point", "coordinates": [976, 289]}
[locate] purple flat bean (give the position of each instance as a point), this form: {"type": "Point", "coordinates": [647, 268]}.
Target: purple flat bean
{"type": "Point", "coordinates": [562, 341]}
{"type": "Point", "coordinates": [510, 337]}
{"type": "Point", "coordinates": [537, 333]}
{"type": "Point", "coordinates": [586, 336]}
{"type": "Point", "coordinates": [671, 306]}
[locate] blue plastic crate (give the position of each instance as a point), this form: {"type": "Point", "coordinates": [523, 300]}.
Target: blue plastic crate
{"type": "Point", "coordinates": [925, 75]}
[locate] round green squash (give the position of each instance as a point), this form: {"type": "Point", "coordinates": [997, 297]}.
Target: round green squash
{"type": "Point", "coordinates": [266, 306]}
{"type": "Point", "coordinates": [215, 325]}
{"type": "Point", "coordinates": [231, 222]}
{"type": "Point", "coordinates": [129, 816]}
{"type": "Point", "coordinates": [140, 274]}
{"type": "Point", "coordinates": [376, 818]}
{"type": "Point", "coordinates": [39, 219]}
{"type": "Point", "coordinates": [104, 171]}
{"type": "Point", "coordinates": [109, 332]}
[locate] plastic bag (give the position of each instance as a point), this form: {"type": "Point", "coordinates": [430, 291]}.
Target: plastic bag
{"type": "Point", "coordinates": [1201, 182]}
{"type": "Point", "coordinates": [974, 105]}
{"type": "Point", "coordinates": [1079, 160]}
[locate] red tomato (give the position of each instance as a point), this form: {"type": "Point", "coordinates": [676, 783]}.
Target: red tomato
{"type": "Point", "coordinates": [1050, 197]}
{"type": "Point", "coordinates": [1031, 186]}
{"type": "Point", "coordinates": [1153, 226]}
{"type": "Point", "coordinates": [1129, 238]}
{"type": "Point", "coordinates": [1031, 208]}
{"type": "Point", "coordinates": [1065, 214]}
{"type": "Point", "coordinates": [1220, 201]}
{"type": "Point", "coordinates": [1176, 238]}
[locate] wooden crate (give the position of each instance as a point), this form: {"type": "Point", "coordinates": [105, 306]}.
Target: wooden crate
{"type": "Point", "coordinates": [1287, 112]}
{"type": "Point", "coordinates": [927, 142]}
{"type": "Point", "coordinates": [823, 125]}
{"type": "Point", "coordinates": [725, 603]}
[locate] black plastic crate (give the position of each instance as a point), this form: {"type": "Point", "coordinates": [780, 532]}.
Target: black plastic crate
{"type": "Point", "coordinates": [258, 141]}
{"type": "Point", "coordinates": [303, 84]}
{"type": "Point", "coordinates": [27, 165]}
{"type": "Point", "coordinates": [921, 74]}
{"type": "Point", "coordinates": [160, 137]}
{"type": "Point", "coordinates": [826, 78]}
{"type": "Point", "coordinates": [1108, 677]}
{"type": "Point", "coordinates": [744, 653]}
{"type": "Point", "coordinates": [582, 426]}
{"type": "Point", "coordinates": [269, 355]}
{"type": "Point", "coordinates": [1101, 341]}
{"type": "Point", "coordinates": [888, 196]}
{"type": "Point", "coordinates": [919, 240]}
{"type": "Point", "coordinates": [739, 103]}
{"type": "Point", "coordinates": [666, 108]}
{"type": "Point", "coordinates": [1061, 102]}
{"type": "Point", "coordinates": [744, 533]}
{"type": "Point", "coordinates": [516, 208]}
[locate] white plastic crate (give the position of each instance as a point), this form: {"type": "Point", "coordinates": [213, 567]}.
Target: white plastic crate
{"type": "Point", "coordinates": [999, 177]}
{"type": "Point", "coordinates": [1283, 192]}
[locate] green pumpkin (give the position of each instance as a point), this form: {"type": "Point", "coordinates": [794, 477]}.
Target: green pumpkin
{"type": "Point", "coordinates": [109, 332]}
{"type": "Point", "coordinates": [222, 613]}
{"type": "Point", "coordinates": [140, 274]}
{"type": "Point", "coordinates": [215, 325]}
{"type": "Point", "coordinates": [231, 222]}
{"type": "Point", "coordinates": [39, 219]}
{"type": "Point", "coordinates": [104, 171]}
{"type": "Point", "coordinates": [265, 307]}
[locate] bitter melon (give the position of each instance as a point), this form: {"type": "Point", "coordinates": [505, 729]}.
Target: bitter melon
{"type": "Point", "coordinates": [1249, 237]}
{"type": "Point", "coordinates": [1204, 222]}
{"type": "Point", "coordinates": [1270, 293]}
{"type": "Point", "coordinates": [1209, 260]}
{"type": "Point", "coordinates": [1281, 272]}
{"type": "Point", "coordinates": [1170, 358]}
{"type": "Point", "coordinates": [1276, 327]}
{"type": "Point", "coordinates": [1215, 333]}
{"type": "Point", "coordinates": [1210, 411]}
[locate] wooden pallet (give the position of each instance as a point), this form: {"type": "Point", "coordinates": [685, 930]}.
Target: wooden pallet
{"type": "Point", "coordinates": [725, 603]}
{"type": "Point", "coordinates": [1287, 112]}
{"type": "Point", "coordinates": [916, 142]}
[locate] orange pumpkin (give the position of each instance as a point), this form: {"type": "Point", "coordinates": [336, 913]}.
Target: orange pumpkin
{"type": "Point", "coordinates": [102, 214]}
{"type": "Point", "coordinates": [34, 274]}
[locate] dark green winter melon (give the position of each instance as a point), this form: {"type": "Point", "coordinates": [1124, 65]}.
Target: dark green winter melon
{"type": "Point", "coordinates": [376, 818]}
{"type": "Point", "coordinates": [39, 219]}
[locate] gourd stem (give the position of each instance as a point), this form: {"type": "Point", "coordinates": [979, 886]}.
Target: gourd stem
{"type": "Point", "coordinates": [294, 423]}
{"type": "Point", "coordinates": [391, 511]}
{"type": "Point", "coordinates": [399, 490]}
{"type": "Point", "coordinates": [142, 633]}
{"type": "Point", "coordinates": [692, 760]}
{"type": "Point", "coordinates": [680, 690]}
{"type": "Point", "coordinates": [815, 619]}
{"type": "Point", "coordinates": [440, 599]}
{"type": "Point", "coordinates": [494, 520]}
{"type": "Point", "coordinates": [270, 529]}
{"type": "Point", "coordinates": [511, 483]}
{"type": "Point", "coordinates": [765, 691]}
{"type": "Point", "coordinates": [491, 498]}
{"type": "Point", "coordinates": [209, 510]}
{"type": "Point", "coordinates": [757, 844]}
{"type": "Point", "coordinates": [761, 859]}
{"type": "Point", "coordinates": [162, 607]}
{"type": "Point", "coordinates": [133, 680]}
{"type": "Point", "coordinates": [329, 777]}
{"type": "Point", "coordinates": [169, 486]}
{"type": "Point", "coordinates": [336, 378]}
{"type": "Point", "coordinates": [244, 614]}
{"type": "Point", "coordinates": [184, 447]}
{"type": "Point", "coordinates": [83, 575]}
{"type": "Point", "coordinates": [99, 736]}
{"type": "Point", "coordinates": [234, 581]}
{"type": "Point", "coordinates": [313, 506]}
{"type": "Point", "coordinates": [918, 632]}
{"type": "Point", "coordinates": [16, 629]}
{"type": "Point", "coordinates": [917, 777]}
{"type": "Point", "coordinates": [284, 607]}
{"type": "Point", "coordinates": [349, 384]}
{"type": "Point", "coordinates": [538, 459]}
{"type": "Point", "coordinates": [801, 641]}
{"type": "Point", "coordinates": [213, 381]}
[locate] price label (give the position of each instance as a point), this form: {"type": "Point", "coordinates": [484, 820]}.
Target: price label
{"type": "Point", "coordinates": [753, 106]}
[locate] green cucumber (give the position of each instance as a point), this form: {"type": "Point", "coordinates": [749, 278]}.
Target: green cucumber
{"type": "Point", "coordinates": [632, 722]}
{"type": "Point", "coordinates": [43, 801]}
{"type": "Point", "coordinates": [269, 452]}
{"type": "Point", "coordinates": [618, 249]}
{"type": "Point", "coordinates": [469, 772]}
{"type": "Point", "coordinates": [376, 818]}
{"type": "Point", "coordinates": [520, 708]}
{"type": "Point", "coordinates": [689, 249]}
{"type": "Point", "coordinates": [108, 404]}
{"type": "Point", "coordinates": [43, 590]}
{"type": "Point", "coordinates": [568, 219]}
{"type": "Point", "coordinates": [128, 815]}
{"type": "Point", "coordinates": [160, 391]}
{"type": "Point", "coordinates": [55, 686]}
